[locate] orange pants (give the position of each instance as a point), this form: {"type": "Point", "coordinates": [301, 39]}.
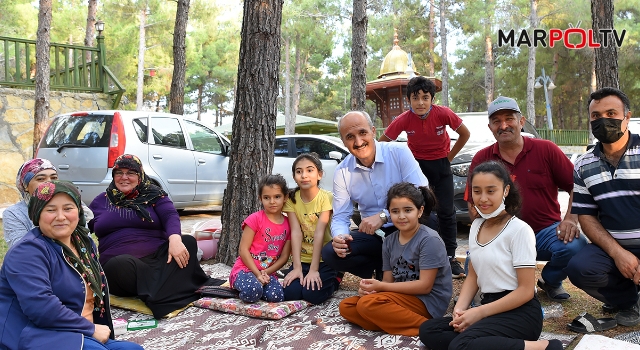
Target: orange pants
{"type": "Point", "coordinates": [392, 313]}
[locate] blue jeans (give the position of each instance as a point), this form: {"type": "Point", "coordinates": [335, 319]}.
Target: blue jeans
{"type": "Point", "coordinates": [91, 343]}
{"type": "Point", "coordinates": [557, 254]}
{"type": "Point", "coordinates": [251, 290]}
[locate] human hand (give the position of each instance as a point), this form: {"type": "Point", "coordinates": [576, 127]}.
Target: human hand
{"type": "Point", "coordinates": [312, 279]}
{"type": "Point", "coordinates": [178, 251]}
{"type": "Point", "coordinates": [364, 292]}
{"type": "Point", "coordinates": [473, 212]}
{"type": "Point", "coordinates": [101, 333]}
{"type": "Point", "coordinates": [463, 319]}
{"type": "Point", "coordinates": [567, 230]}
{"type": "Point", "coordinates": [340, 245]}
{"type": "Point", "coordinates": [291, 276]}
{"type": "Point", "coordinates": [370, 285]}
{"type": "Point", "coordinates": [370, 224]}
{"type": "Point", "coordinates": [264, 278]}
{"type": "Point", "coordinates": [627, 263]}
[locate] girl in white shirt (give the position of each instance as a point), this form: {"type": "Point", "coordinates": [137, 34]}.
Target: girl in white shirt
{"type": "Point", "coordinates": [502, 267]}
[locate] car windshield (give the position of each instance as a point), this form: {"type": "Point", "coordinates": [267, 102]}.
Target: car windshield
{"type": "Point", "coordinates": [478, 124]}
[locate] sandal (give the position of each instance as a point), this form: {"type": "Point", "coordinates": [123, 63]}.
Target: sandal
{"type": "Point", "coordinates": [586, 323]}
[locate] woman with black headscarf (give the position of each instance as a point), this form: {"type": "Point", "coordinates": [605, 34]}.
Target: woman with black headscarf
{"type": "Point", "coordinates": [52, 288]}
{"type": "Point", "coordinates": [141, 246]}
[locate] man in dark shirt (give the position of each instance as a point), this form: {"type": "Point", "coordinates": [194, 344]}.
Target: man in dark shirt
{"type": "Point", "coordinates": [539, 168]}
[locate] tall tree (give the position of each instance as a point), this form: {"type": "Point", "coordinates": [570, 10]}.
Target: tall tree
{"type": "Point", "coordinates": [92, 10]}
{"type": "Point", "coordinates": [254, 121]}
{"type": "Point", "coordinates": [359, 22]}
{"type": "Point", "coordinates": [142, 48]}
{"type": "Point", "coordinates": [606, 56]}
{"type": "Point", "coordinates": [176, 95]}
{"type": "Point", "coordinates": [432, 25]}
{"type": "Point", "coordinates": [443, 44]}
{"type": "Point", "coordinates": [42, 72]}
{"type": "Point", "coordinates": [534, 22]}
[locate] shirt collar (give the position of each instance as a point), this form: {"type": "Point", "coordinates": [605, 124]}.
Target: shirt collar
{"type": "Point", "coordinates": [526, 147]}
{"type": "Point", "coordinates": [379, 158]}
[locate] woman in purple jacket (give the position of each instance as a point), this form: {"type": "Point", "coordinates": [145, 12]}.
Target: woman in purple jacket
{"type": "Point", "coordinates": [141, 246]}
{"type": "Point", "coordinates": [52, 289]}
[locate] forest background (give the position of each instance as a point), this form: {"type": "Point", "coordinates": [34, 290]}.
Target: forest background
{"type": "Point", "coordinates": [315, 67]}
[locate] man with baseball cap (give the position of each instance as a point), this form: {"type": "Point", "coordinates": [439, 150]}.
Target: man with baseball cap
{"type": "Point", "coordinates": [539, 168]}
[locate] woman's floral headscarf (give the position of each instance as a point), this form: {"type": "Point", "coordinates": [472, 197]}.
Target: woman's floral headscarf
{"type": "Point", "coordinates": [86, 264]}
{"type": "Point", "coordinates": [143, 195]}
{"type": "Point", "coordinates": [27, 171]}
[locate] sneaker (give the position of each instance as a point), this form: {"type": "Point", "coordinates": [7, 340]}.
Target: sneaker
{"type": "Point", "coordinates": [456, 269]}
{"type": "Point", "coordinates": [629, 317]}
{"type": "Point", "coordinates": [554, 293]}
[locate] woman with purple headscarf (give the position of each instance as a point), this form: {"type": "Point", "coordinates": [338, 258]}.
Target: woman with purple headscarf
{"type": "Point", "coordinates": [15, 219]}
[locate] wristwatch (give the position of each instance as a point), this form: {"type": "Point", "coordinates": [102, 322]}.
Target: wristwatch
{"type": "Point", "coordinates": [384, 217]}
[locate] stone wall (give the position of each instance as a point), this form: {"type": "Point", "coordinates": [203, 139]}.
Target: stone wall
{"type": "Point", "coordinates": [16, 128]}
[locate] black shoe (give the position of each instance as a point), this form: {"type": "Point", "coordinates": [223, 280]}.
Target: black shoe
{"type": "Point", "coordinates": [609, 309]}
{"type": "Point", "coordinates": [558, 294]}
{"type": "Point", "coordinates": [629, 317]}
{"type": "Point", "coordinates": [456, 269]}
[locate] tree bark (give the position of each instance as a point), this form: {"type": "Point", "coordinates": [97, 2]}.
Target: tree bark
{"type": "Point", "coordinates": [289, 126]}
{"type": "Point", "coordinates": [178, 80]}
{"type": "Point", "coordinates": [489, 70]}
{"type": "Point", "coordinates": [534, 22]}
{"type": "Point", "coordinates": [432, 10]}
{"type": "Point", "coordinates": [200, 88]}
{"type": "Point", "coordinates": [141, 49]}
{"type": "Point", "coordinates": [92, 9]}
{"type": "Point", "coordinates": [606, 57]}
{"type": "Point", "coordinates": [445, 63]}
{"type": "Point", "coordinates": [359, 23]}
{"type": "Point", "coordinates": [295, 97]}
{"type": "Point", "coordinates": [42, 73]}
{"type": "Point", "coordinates": [254, 120]}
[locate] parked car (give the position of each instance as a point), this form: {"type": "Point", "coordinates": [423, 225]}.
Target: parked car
{"type": "Point", "coordinates": [186, 158]}
{"type": "Point", "coordinates": [481, 137]}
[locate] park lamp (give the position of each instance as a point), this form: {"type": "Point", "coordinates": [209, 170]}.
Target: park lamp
{"type": "Point", "coordinates": [548, 85]}
{"type": "Point", "coordinates": [99, 27]}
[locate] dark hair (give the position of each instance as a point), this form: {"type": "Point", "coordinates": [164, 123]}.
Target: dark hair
{"type": "Point", "coordinates": [313, 158]}
{"type": "Point", "coordinates": [270, 180]}
{"type": "Point", "coordinates": [420, 196]}
{"type": "Point", "coordinates": [513, 201]}
{"type": "Point", "coordinates": [423, 84]}
{"type": "Point", "coordinates": [609, 91]}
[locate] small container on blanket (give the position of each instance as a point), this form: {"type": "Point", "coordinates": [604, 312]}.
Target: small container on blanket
{"type": "Point", "coordinates": [143, 324]}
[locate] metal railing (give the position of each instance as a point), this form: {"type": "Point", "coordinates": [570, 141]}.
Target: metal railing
{"type": "Point", "coordinates": [565, 137]}
{"type": "Point", "coordinates": [72, 67]}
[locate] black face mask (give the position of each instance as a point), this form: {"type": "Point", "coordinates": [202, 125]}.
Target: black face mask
{"type": "Point", "coordinates": [607, 130]}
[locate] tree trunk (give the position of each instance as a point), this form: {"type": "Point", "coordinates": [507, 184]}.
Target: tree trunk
{"type": "Point", "coordinates": [606, 57]}
{"type": "Point", "coordinates": [92, 9]}
{"type": "Point", "coordinates": [178, 80]}
{"type": "Point", "coordinates": [42, 73]}
{"type": "Point", "coordinates": [141, 50]}
{"type": "Point", "coordinates": [289, 125]}
{"type": "Point", "coordinates": [445, 63]}
{"type": "Point", "coordinates": [295, 97]}
{"type": "Point", "coordinates": [534, 22]}
{"type": "Point", "coordinates": [254, 120]}
{"type": "Point", "coordinates": [488, 69]}
{"type": "Point", "coordinates": [432, 24]}
{"type": "Point", "coordinates": [359, 23]}
{"type": "Point", "coordinates": [200, 87]}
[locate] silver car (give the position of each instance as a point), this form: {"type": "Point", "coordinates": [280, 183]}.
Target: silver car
{"type": "Point", "coordinates": [188, 159]}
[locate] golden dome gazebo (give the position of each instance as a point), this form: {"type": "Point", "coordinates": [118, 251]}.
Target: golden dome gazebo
{"type": "Point", "coordinates": [389, 90]}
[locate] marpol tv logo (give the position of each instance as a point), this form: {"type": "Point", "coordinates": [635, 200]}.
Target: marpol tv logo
{"type": "Point", "coordinates": [571, 38]}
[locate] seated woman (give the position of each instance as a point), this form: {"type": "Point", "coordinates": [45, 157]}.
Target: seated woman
{"type": "Point", "coordinates": [141, 246]}
{"type": "Point", "coordinates": [15, 219]}
{"type": "Point", "coordinates": [58, 297]}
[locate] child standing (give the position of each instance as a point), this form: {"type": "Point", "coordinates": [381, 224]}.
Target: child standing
{"type": "Point", "coordinates": [265, 245]}
{"type": "Point", "coordinates": [309, 211]}
{"type": "Point", "coordinates": [428, 140]}
{"type": "Point", "coordinates": [503, 262]}
{"type": "Point", "coordinates": [416, 285]}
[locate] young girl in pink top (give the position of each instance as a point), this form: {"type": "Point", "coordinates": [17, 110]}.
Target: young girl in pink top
{"type": "Point", "coordinates": [264, 247]}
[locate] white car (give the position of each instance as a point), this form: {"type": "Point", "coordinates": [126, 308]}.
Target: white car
{"type": "Point", "coordinates": [188, 159]}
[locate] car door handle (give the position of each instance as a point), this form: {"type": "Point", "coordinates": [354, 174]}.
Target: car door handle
{"type": "Point", "coordinates": [63, 167]}
{"type": "Point", "coordinates": [157, 156]}
{"type": "Point", "coordinates": [201, 161]}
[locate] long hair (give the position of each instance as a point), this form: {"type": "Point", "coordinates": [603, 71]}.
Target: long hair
{"type": "Point", "coordinates": [513, 201]}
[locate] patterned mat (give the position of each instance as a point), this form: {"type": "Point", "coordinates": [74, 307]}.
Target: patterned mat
{"type": "Point", "coordinates": [631, 337]}
{"type": "Point", "coordinates": [317, 327]}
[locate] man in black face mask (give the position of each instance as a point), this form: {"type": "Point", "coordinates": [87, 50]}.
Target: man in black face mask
{"type": "Point", "coordinates": [607, 201]}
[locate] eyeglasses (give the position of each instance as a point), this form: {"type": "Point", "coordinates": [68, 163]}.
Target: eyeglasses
{"type": "Point", "coordinates": [120, 173]}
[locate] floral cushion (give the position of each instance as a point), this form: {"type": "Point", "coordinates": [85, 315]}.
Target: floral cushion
{"type": "Point", "coordinates": [260, 309]}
